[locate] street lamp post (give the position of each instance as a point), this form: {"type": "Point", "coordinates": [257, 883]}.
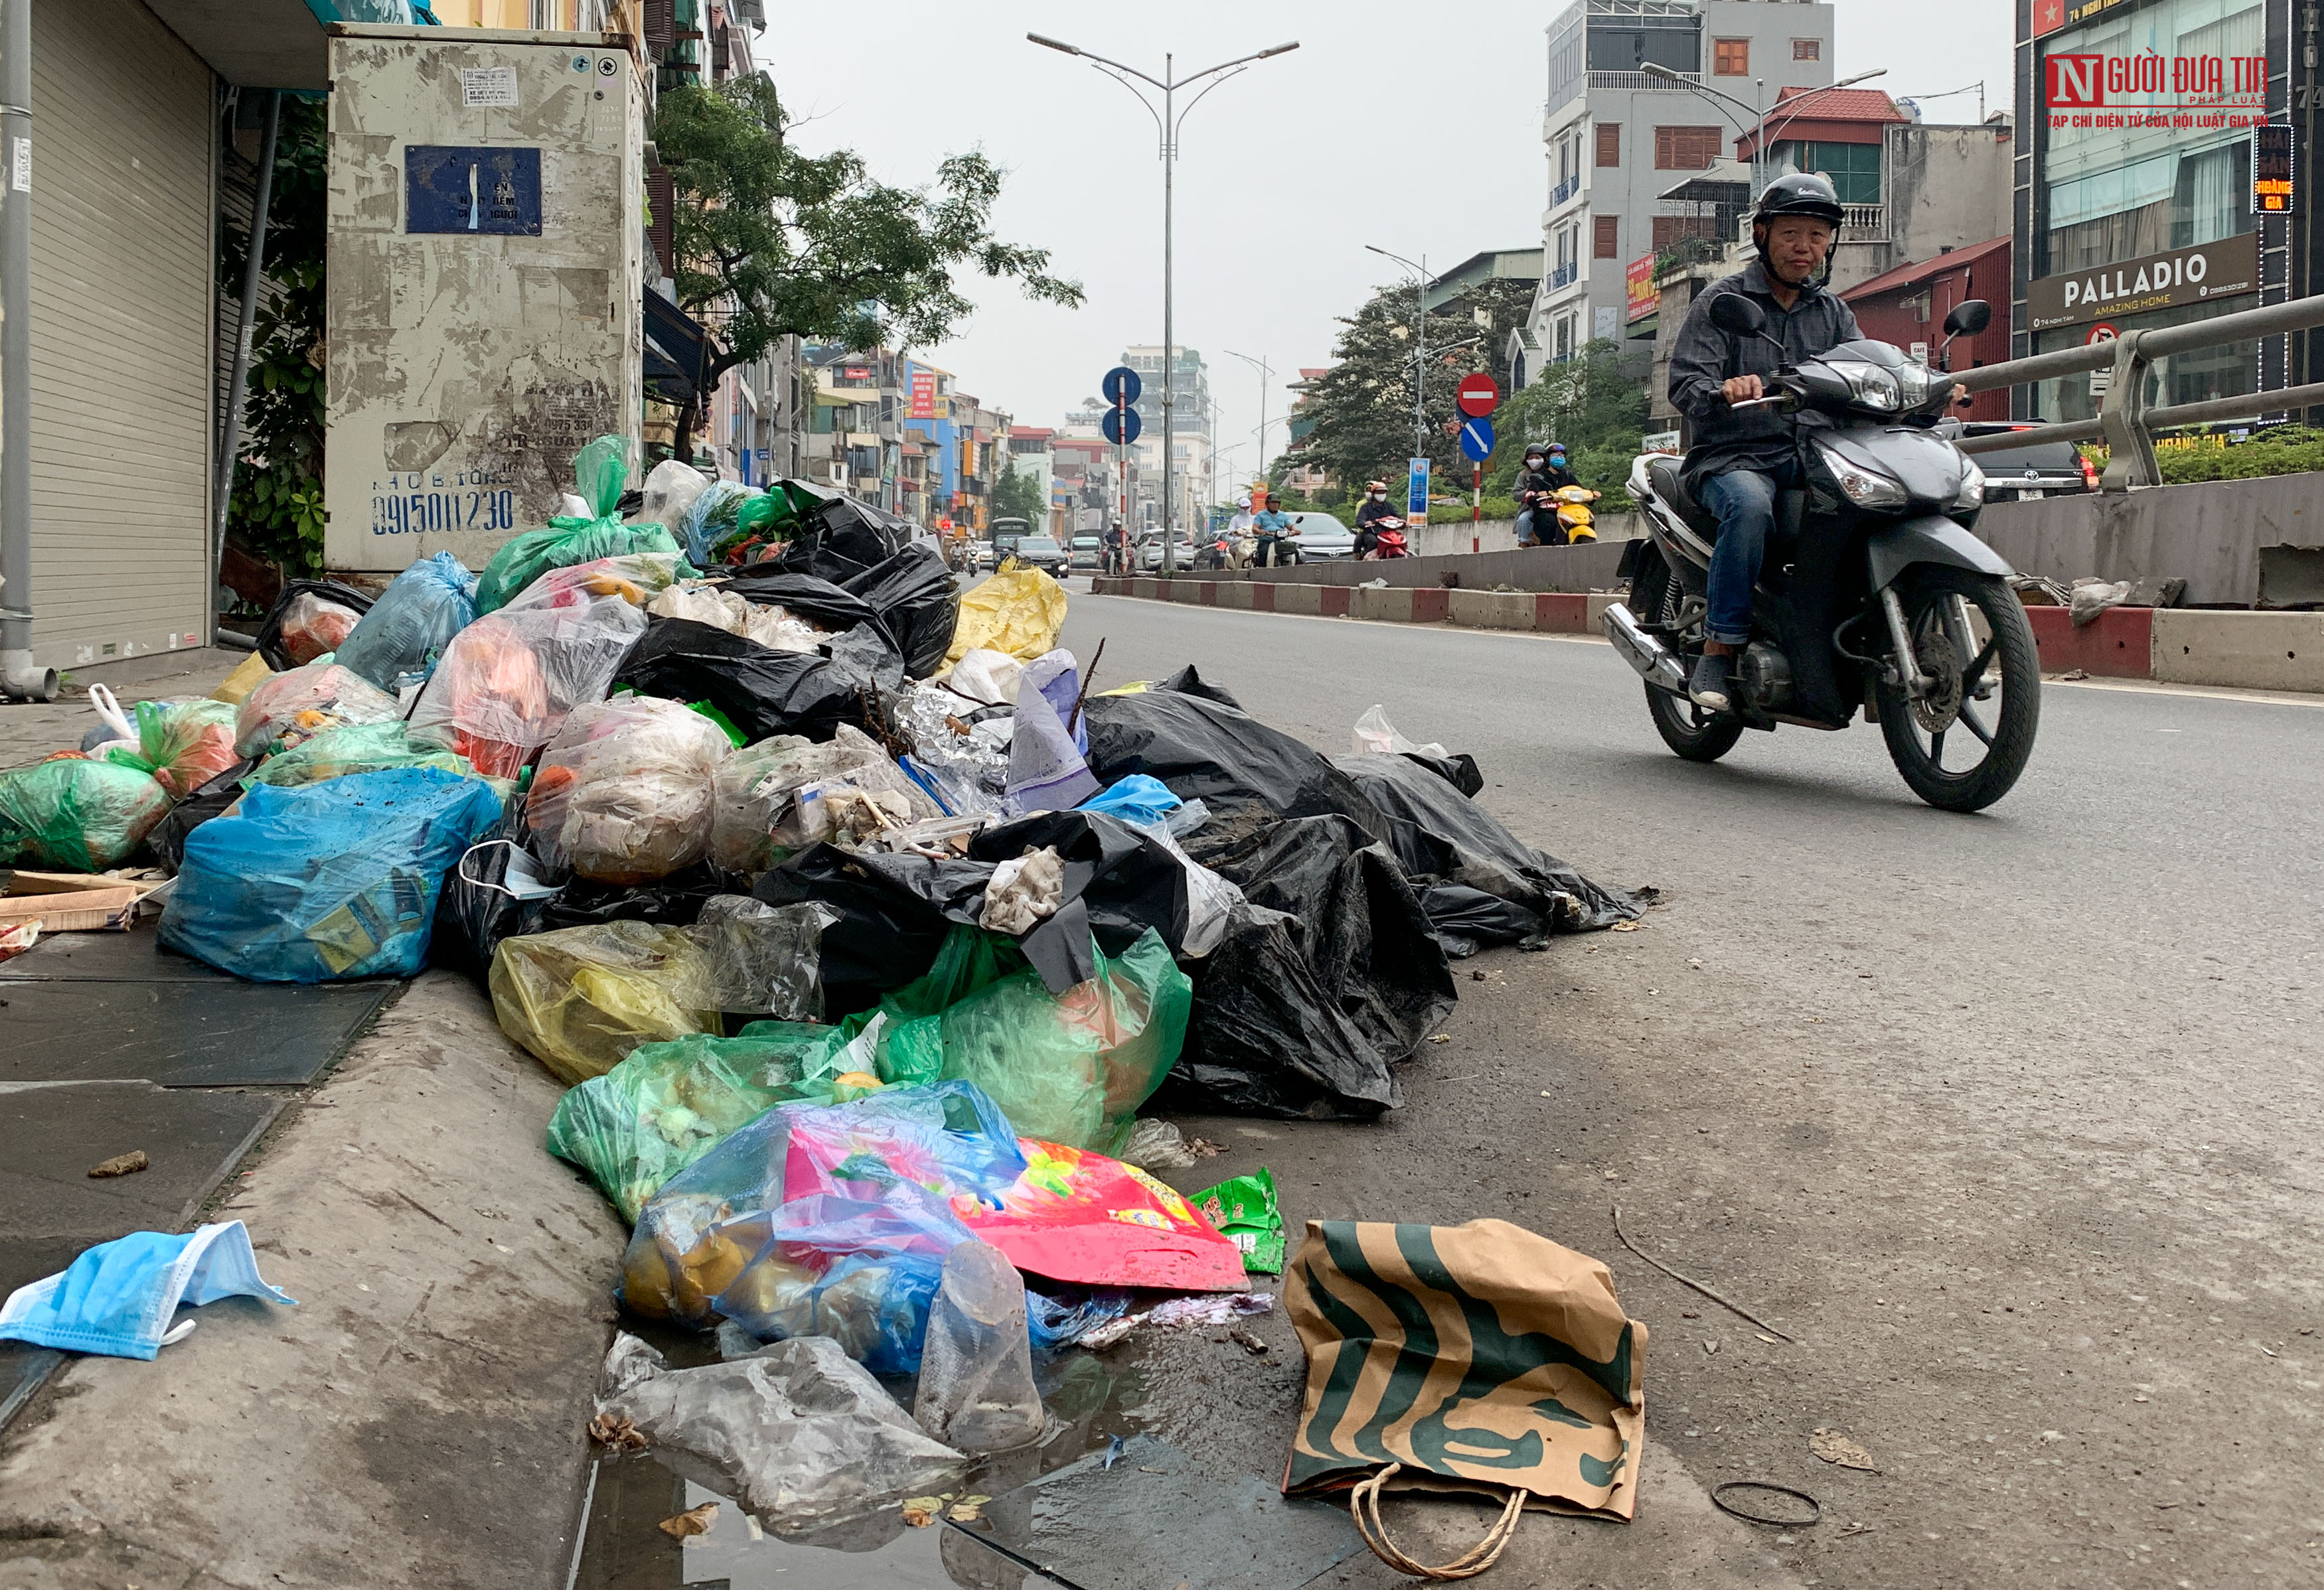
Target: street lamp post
{"type": "Point", "coordinates": [1266, 375]}
{"type": "Point", "coordinates": [1166, 122]}
{"type": "Point", "coordinates": [1420, 350]}
{"type": "Point", "coordinates": [1758, 115]}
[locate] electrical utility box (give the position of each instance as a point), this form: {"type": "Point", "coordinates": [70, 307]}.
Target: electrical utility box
{"type": "Point", "coordinates": [485, 282]}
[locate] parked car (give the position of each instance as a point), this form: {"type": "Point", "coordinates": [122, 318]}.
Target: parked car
{"type": "Point", "coordinates": [1087, 552]}
{"type": "Point", "coordinates": [1149, 553]}
{"type": "Point", "coordinates": [1322, 539]}
{"type": "Point", "coordinates": [2016, 474]}
{"type": "Point", "coordinates": [1040, 552]}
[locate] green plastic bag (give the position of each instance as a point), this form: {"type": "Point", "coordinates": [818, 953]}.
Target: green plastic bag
{"type": "Point", "coordinates": [600, 471]}
{"type": "Point", "coordinates": [1243, 1210]}
{"type": "Point", "coordinates": [669, 1104]}
{"type": "Point", "coordinates": [77, 815]}
{"type": "Point", "coordinates": [1073, 1068]}
{"type": "Point", "coordinates": [911, 1045]}
{"type": "Point", "coordinates": [351, 748]}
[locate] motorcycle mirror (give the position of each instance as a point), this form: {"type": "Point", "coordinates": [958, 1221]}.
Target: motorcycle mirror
{"type": "Point", "coordinates": [1968, 318]}
{"type": "Point", "coordinates": [1733, 312]}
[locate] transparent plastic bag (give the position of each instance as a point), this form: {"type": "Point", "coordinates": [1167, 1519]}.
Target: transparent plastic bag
{"type": "Point", "coordinates": [287, 707]}
{"type": "Point", "coordinates": [77, 815]}
{"type": "Point", "coordinates": [798, 1433]}
{"type": "Point", "coordinates": [1373, 733]}
{"type": "Point", "coordinates": [671, 487]}
{"type": "Point", "coordinates": [843, 790]}
{"type": "Point", "coordinates": [624, 791]}
{"type": "Point", "coordinates": [406, 631]}
{"type": "Point", "coordinates": [337, 880]}
{"type": "Point", "coordinates": [636, 577]}
{"type": "Point", "coordinates": [749, 795]}
{"type": "Point", "coordinates": [767, 623]}
{"type": "Point", "coordinates": [351, 748]}
{"type": "Point", "coordinates": [581, 998]}
{"type": "Point", "coordinates": [600, 470]}
{"type": "Point", "coordinates": [507, 682]}
{"type": "Point", "coordinates": [988, 676]}
{"type": "Point", "coordinates": [976, 1388]}
{"type": "Point", "coordinates": [761, 960]}
{"type": "Point", "coordinates": [311, 626]}
{"type": "Point", "coordinates": [186, 744]}
{"type": "Point", "coordinates": [707, 519]}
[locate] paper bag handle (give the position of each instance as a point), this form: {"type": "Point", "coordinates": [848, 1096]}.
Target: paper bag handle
{"type": "Point", "coordinates": [1363, 1506]}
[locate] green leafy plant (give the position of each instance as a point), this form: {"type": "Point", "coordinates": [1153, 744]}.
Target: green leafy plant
{"type": "Point", "coordinates": [771, 241]}
{"type": "Point", "coordinates": [275, 510]}
{"type": "Point", "coordinates": [1020, 496]}
{"type": "Point", "coordinates": [2279, 449]}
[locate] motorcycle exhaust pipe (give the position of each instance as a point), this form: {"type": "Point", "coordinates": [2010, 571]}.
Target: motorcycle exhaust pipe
{"type": "Point", "coordinates": [1655, 663]}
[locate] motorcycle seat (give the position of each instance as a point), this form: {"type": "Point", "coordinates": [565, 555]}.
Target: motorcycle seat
{"type": "Point", "coordinates": [1664, 479]}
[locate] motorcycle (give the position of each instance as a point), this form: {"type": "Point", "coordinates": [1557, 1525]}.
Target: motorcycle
{"type": "Point", "coordinates": [1386, 540]}
{"type": "Point", "coordinates": [1573, 513]}
{"type": "Point", "coordinates": [1873, 592]}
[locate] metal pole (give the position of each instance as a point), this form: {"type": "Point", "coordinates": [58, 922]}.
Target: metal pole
{"type": "Point", "coordinates": [1420, 363]}
{"type": "Point", "coordinates": [18, 677]}
{"type": "Point", "coordinates": [230, 423]}
{"type": "Point", "coordinates": [1169, 356]}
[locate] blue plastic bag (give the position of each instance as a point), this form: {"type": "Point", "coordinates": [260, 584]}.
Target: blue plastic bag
{"type": "Point", "coordinates": [824, 1220]}
{"type": "Point", "coordinates": [398, 641]}
{"type": "Point", "coordinates": [335, 880]}
{"type": "Point", "coordinates": [1140, 800]}
{"type": "Point", "coordinates": [122, 1297]}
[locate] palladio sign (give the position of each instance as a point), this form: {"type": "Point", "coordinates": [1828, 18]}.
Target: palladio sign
{"type": "Point", "coordinates": [2158, 281]}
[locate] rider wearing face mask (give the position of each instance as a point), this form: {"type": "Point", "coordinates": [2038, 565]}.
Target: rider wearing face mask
{"type": "Point", "coordinates": [1373, 508]}
{"type": "Point", "coordinates": [1741, 458]}
{"type": "Point", "coordinates": [1544, 472]}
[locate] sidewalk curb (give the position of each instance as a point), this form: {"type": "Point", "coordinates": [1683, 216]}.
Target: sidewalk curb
{"type": "Point", "coordinates": [2229, 648]}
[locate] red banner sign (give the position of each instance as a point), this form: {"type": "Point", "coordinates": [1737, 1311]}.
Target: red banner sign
{"type": "Point", "coordinates": [924, 395]}
{"type": "Point", "coordinates": [1639, 277]}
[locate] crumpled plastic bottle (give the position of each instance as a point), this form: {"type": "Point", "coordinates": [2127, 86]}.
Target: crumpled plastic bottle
{"type": "Point", "coordinates": [977, 1371]}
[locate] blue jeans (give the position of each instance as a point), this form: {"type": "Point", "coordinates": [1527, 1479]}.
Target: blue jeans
{"type": "Point", "coordinates": [1744, 503]}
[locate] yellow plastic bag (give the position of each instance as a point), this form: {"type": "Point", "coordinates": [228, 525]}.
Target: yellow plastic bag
{"type": "Point", "coordinates": [582, 997]}
{"type": "Point", "coordinates": [242, 681]}
{"type": "Point", "coordinates": [1017, 611]}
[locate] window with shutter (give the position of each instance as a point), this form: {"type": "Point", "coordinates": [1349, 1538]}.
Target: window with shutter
{"type": "Point", "coordinates": [1685, 148]}
{"type": "Point", "coordinates": [1609, 143]}
{"type": "Point", "coordinates": [1604, 243]}
{"type": "Point", "coordinates": [1730, 58]}
{"type": "Point", "coordinates": [1671, 230]}
{"type": "Point", "coordinates": [1807, 50]}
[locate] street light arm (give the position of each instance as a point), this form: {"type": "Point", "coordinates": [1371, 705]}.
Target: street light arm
{"type": "Point", "coordinates": [1399, 259]}
{"type": "Point", "coordinates": [1133, 87]}
{"type": "Point", "coordinates": [1792, 106]}
{"type": "Point", "coordinates": [1063, 47]}
{"type": "Point", "coordinates": [1653, 70]}
{"type": "Point", "coordinates": [1197, 99]}
{"type": "Point", "coordinates": [1238, 60]}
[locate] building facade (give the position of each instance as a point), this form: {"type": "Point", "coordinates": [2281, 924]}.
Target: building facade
{"type": "Point", "coordinates": [1618, 135]}
{"type": "Point", "coordinates": [1190, 469]}
{"type": "Point", "coordinates": [2134, 195]}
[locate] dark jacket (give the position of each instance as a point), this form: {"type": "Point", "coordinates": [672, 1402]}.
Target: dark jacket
{"type": "Point", "coordinates": [1704, 356]}
{"type": "Point", "coordinates": [1372, 511]}
{"type": "Point", "coordinates": [1544, 481]}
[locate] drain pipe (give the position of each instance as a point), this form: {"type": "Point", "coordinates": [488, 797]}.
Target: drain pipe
{"type": "Point", "coordinates": [230, 424]}
{"type": "Point", "coordinates": [18, 677]}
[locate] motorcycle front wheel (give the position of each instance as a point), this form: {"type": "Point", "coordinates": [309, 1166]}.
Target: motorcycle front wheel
{"type": "Point", "coordinates": [1962, 744]}
{"type": "Point", "coordinates": [1689, 731]}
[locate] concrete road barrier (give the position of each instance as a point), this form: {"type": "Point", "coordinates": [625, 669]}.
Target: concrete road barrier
{"type": "Point", "coordinates": [2253, 651]}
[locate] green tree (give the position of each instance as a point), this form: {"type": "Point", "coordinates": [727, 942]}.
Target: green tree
{"type": "Point", "coordinates": [1020, 496]}
{"type": "Point", "coordinates": [1362, 406]}
{"type": "Point", "coordinates": [770, 241]}
{"type": "Point", "coordinates": [275, 508]}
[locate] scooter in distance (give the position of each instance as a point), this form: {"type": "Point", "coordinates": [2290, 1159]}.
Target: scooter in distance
{"type": "Point", "coordinates": [1380, 540]}
{"type": "Point", "coordinates": [1873, 592]}
{"type": "Point", "coordinates": [1573, 514]}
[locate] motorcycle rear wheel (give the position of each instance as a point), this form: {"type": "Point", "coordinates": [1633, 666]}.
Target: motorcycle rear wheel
{"type": "Point", "coordinates": [1689, 731]}
{"type": "Point", "coordinates": [1917, 731]}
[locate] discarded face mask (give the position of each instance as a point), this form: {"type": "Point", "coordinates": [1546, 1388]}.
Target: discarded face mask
{"type": "Point", "coordinates": [796, 1432]}
{"type": "Point", "coordinates": [121, 1298]}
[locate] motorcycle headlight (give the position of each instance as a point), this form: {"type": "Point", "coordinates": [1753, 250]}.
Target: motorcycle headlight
{"type": "Point", "coordinates": [1872, 385]}
{"type": "Point", "coordinates": [1915, 382]}
{"type": "Point", "coordinates": [1864, 487]}
{"type": "Point", "coordinates": [1972, 489]}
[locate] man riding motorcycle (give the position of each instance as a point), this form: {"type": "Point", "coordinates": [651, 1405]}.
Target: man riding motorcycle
{"type": "Point", "coordinates": [1741, 458]}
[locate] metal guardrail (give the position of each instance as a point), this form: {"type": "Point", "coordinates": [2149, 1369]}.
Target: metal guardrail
{"type": "Point", "coordinates": [2124, 422]}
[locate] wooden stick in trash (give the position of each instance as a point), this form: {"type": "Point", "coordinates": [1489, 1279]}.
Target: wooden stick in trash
{"type": "Point", "coordinates": [1088, 673]}
{"type": "Point", "coordinates": [1690, 1281]}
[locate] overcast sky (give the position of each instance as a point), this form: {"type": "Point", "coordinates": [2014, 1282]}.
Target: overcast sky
{"type": "Point", "coordinates": [1420, 134]}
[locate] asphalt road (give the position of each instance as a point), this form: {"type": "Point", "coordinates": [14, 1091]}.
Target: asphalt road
{"type": "Point", "coordinates": [2011, 1119]}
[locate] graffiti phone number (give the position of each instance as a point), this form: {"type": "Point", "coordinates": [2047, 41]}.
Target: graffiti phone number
{"type": "Point", "coordinates": [415, 513]}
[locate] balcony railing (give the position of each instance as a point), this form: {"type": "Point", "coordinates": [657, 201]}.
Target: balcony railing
{"type": "Point", "coordinates": [1564, 275]}
{"type": "Point", "coordinates": [1864, 223]}
{"type": "Point", "coordinates": [1564, 190]}
{"type": "Point", "coordinates": [1645, 80]}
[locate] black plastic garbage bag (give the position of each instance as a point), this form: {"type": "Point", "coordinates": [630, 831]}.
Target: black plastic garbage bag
{"type": "Point", "coordinates": [810, 596]}
{"type": "Point", "coordinates": [478, 908]}
{"type": "Point", "coordinates": [1267, 1039]}
{"type": "Point", "coordinates": [1188, 681]}
{"type": "Point", "coordinates": [1466, 920]}
{"type": "Point", "coordinates": [167, 839]}
{"type": "Point", "coordinates": [1360, 926]}
{"type": "Point", "coordinates": [1203, 750]}
{"type": "Point", "coordinates": [674, 901]}
{"type": "Point", "coordinates": [917, 603]}
{"type": "Point", "coordinates": [761, 690]}
{"type": "Point", "coordinates": [893, 911]}
{"type": "Point", "coordinates": [1440, 835]}
{"type": "Point", "coordinates": [840, 539]}
{"type": "Point", "coordinates": [1118, 882]}
{"type": "Point", "coordinates": [275, 646]}
{"type": "Point", "coordinates": [1459, 769]}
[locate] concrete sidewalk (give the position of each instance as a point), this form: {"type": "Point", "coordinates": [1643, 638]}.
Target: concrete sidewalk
{"type": "Point", "coordinates": [30, 731]}
{"type": "Point", "coordinates": [419, 1419]}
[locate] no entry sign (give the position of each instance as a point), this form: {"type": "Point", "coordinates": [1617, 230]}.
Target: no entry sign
{"type": "Point", "coordinates": [1477, 395]}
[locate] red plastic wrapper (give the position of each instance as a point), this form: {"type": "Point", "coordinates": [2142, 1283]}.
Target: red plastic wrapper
{"type": "Point", "coordinates": [1079, 1216]}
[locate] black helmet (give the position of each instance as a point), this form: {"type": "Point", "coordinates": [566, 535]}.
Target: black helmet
{"type": "Point", "coordinates": [1801, 193]}
{"type": "Point", "coordinates": [1533, 447]}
